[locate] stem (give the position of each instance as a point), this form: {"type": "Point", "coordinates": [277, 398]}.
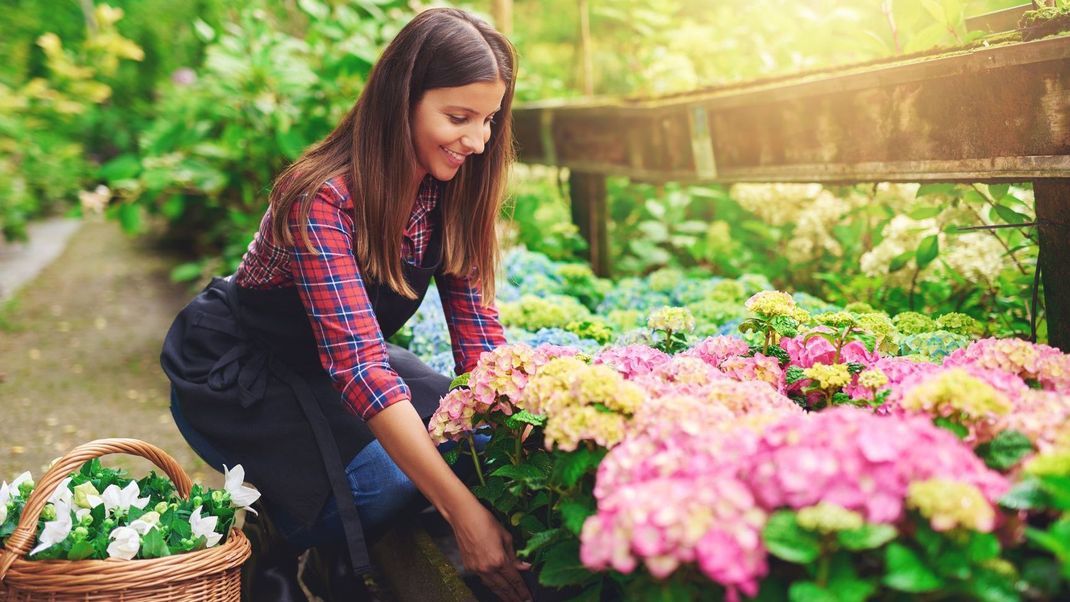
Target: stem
{"type": "Point", "coordinates": [823, 571]}
{"type": "Point", "coordinates": [519, 446]}
{"type": "Point", "coordinates": [475, 460]}
{"type": "Point", "coordinates": [1002, 242]}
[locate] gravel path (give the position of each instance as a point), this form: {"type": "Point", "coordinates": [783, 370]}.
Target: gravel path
{"type": "Point", "coordinates": [79, 355]}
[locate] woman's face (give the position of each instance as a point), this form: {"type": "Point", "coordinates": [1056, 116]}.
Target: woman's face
{"type": "Point", "coordinates": [451, 123]}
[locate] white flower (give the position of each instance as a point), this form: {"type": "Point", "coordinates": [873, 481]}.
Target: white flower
{"type": "Point", "coordinates": [3, 513]}
{"type": "Point", "coordinates": [240, 495]}
{"type": "Point", "coordinates": [125, 543]}
{"type": "Point", "coordinates": [55, 531]}
{"type": "Point", "coordinates": [62, 494]}
{"type": "Point", "coordinates": [147, 521]}
{"type": "Point", "coordinates": [81, 513]}
{"type": "Point", "coordinates": [9, 491]}
{"type": "Point", "coordinates": [114, 498]}
{"type": "Point", "coordinates": [204, 526]}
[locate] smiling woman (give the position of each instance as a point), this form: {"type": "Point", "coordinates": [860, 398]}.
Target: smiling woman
{"type": "Point", "coordinates": [284, 367]}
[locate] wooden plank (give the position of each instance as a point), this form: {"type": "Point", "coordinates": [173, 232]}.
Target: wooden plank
{"type": "Point", "coordinates": [981, 115]}
{"type": "Point", "coordinates": [1053, 225]}
{"type": "Point", "coordinates": [588, 193]}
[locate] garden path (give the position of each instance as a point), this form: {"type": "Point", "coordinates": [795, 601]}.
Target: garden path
{"type": "Point", "coordinates": [79, 354]}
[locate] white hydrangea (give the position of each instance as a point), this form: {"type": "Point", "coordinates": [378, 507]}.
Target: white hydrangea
{"type": "Point", "coordinates": [977, 257]}
{"type": "Point", "coordinates": [776, 204]}
{"type": "Point", "coordinates": [901, 235]}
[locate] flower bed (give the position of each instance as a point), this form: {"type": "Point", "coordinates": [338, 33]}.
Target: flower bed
{"type": "Point", "coordinates": [699, 439]}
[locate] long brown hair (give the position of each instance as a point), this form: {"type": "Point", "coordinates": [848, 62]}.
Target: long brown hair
{"type": "Point", "coordinates": [372, 147]}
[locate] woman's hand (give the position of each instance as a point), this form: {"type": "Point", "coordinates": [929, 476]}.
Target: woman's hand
{"type": "Point", "coordinates": [487, 550]}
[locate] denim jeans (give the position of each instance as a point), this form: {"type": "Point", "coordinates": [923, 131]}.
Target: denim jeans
{"type": "Point", "coordinates": [382, 492]}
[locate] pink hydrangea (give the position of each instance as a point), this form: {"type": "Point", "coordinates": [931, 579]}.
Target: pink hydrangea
{"type": "Point", "coordinates": [748, 398]}
{"type": "Point", "coordinates": [453, 418]}
{"type": "Point", "coordinates": [681, 375]}
{"type": "Point", "coordinates": [819, 351]}
{"type": "Point", "coordinates": [631, 360]}
{"type": "Point", "coordinates": [714, 350]}
{"type": "Point", "coordinates": [499, 378]}
{"type": "Point", "coordinates": [859, 461]}
{"type": "Point", "coordinates": [1031, 362]}
{"type": "Point", "coordinates": [758, 368]}
{"type": "Point", "coordinates": [665, 522]}
{"type": "Point", "coordinates": [1039, 415]}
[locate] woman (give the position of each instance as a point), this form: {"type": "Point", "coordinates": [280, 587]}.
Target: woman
{"type": "Point", "coordinates": [283, 366]}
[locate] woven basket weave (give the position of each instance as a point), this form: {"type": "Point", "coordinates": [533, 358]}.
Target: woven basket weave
{"type": "Point", "coordinates": [212, 574]}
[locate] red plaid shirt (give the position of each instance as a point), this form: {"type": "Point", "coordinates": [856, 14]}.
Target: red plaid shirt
{"type": "Point", "coordinates": [351, 346]}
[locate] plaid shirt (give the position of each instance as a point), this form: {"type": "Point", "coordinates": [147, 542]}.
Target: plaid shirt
{"type": "Point", "coordinates": [351, 346]}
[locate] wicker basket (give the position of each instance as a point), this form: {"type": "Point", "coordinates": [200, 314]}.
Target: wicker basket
{"type": "Point", "coordinates": [212, 574]}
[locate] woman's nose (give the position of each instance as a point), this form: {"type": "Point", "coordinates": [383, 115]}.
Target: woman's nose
{"type": "Point", "coordinates": [474, 141]}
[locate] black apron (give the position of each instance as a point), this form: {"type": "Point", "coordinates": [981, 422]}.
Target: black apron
{"type": "Point", "coordinates": [247, 374]}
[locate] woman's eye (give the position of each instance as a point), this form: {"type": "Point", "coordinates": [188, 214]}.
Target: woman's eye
{"type": "Point", "coordinates": [457, 119]}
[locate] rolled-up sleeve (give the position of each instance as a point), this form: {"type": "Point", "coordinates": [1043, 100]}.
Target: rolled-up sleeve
{"type": "Point", "coordinates": [350, 344]}
{"type": "Point", "coordinates": [473, 328]}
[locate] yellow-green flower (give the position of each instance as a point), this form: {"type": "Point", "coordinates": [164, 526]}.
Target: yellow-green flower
{"type": "Point", "coordinates": [828, 518]}
{"type": "Point", "coordinates": [829, 377]}
{"type": "Point", "coordinates": [82, 494]}
{"type": "Point", "coordinates": [956, 392]}
{"type": "Point", "coordinates": [874, 378]}
{"type": "Point", "coordinates": [837, 319]}
{"type": "Point", "coordinates": [950, 505]}
{"type": "Point", "coordinates": [772, 303]}
{"type": "Point", "coordinates": [674, 319]}
{"type": "Point", "coordinates": [1054, 463]}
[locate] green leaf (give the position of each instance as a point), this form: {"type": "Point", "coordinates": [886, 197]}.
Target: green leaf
{"type": "Point", "coordinates": [946, 423]}
{"type": "Point", "coordinates": [925, 212]}
{"type": "Point", "coordinates": [570, 467]}
{"type": "Point", "coordinates": [460, 381]}
{"type": "Point", "coordinates": [123, 167]}
{"type": "Point", "coordinates": [186, 271]}
{"type": "Point", "coordinates": [934, 189]}
{"type": "Point", "coordinates": [1005, 450]}
{"type": "Point", "coordinates": [315, 8]}
{"type": "Point", "coordinates": [130, 218]}
{"type": "Point", "coordinates": [1026, 495]}
{"type": "Point", "coordinates": [927, 250]}
{"type": "Point", "coordinates": [491, 491]}
{"type": "Point", "coordinates": [575, 512]}
{"type": "Point", "coordinates": [900, 261]}
{"type": "Point", "coordinates": [785, 539]}
{"type": "Point", "coordinates": [80, 550]}
{"type": "Point", "coordinates": [866, 537]}
{"type": "Point", "coordinates": [562, 565]}
{"type": "Point", "coordinates": [539, 540]}
{"type": "Point", "coordinates": [1011, 216]}
{"type": "Point", "coordinates": [808, 591]}
{"type": "Point", "coordinates": [519, 472]}
{"type": "Point", "coordinates": [452, 455]}
{"type": "Point", "coordinates": [153, 545]}
{"type": "Point", "coordinates": [906, 572]}
{"type": "Point", "coordinates": [998, 191]}
{"type": "Point", "coordinates": [523, 417]}
{"type": "Point", "coordinates": [785, 326]}
{"type": "Point", "coordinates": [982, 546]}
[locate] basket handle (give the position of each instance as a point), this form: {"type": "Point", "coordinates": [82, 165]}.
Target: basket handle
{"type": "Point", "coordinates": [25, 533]}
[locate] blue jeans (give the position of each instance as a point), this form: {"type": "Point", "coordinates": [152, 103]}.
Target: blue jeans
{"type": "Point", "coordinates": [382, 492]}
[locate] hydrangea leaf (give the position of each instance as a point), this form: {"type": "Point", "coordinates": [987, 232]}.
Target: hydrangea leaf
{"type": "Point", "coordinates": [785, 539]}
{"type": "Point", "coordinates": [907, 572]}
{"type": "Point", "coordinates": [1005, 450]}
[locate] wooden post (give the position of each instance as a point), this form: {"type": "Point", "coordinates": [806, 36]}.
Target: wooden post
{"type": "Point", "coordinates": [1053, 225]}
{"type": "Point", "coordinates": [502, 13]}
{"type": "Point", "coordinates": [588, 194]}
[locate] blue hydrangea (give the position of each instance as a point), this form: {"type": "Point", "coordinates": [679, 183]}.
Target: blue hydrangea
{"type": "Point", "coordinates": [442, 363]}
{"type": "Point", "coordinates": [632, 293]}
{"type": "Point", "coordinates": [935, 345]}
{"type": "Point", "coordinates": [693, 290]}
{"type": "Point", "coordinates": [522, 265]}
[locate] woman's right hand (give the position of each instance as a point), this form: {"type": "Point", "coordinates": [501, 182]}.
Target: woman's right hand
{"type": "Point", "coordinates": [487, 550]}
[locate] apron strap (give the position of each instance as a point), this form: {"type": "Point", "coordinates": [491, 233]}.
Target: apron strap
{"type": "Point", "coordinates": [321, 430]}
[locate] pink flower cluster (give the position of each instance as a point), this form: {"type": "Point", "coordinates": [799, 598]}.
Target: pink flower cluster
{"type": "Point", "coordinates": [499, 378]}
{"type": "Point", "coordinates": [859, 461]}
{"type": "Point", "coordinates": [631, 360]}
{"type": "Point", "coordinates": [681, 375]}
{"type": "Point", "coordinates": [668, 495]}
{"type": "Point", "coordinates": [714, 350]}
{"type": "Point", "coordinates": [819, 351]}
{"type": "Point", "coordinates": [1040, 415]}
{"type": "Point", "coordinates": [897, 369]}
{"type": "Point", "coordinates": [1032, 362]}
{"type": "Point", "coordinates": [454, 417]}
{"type": "Point", "coordinates": [758, 368]}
